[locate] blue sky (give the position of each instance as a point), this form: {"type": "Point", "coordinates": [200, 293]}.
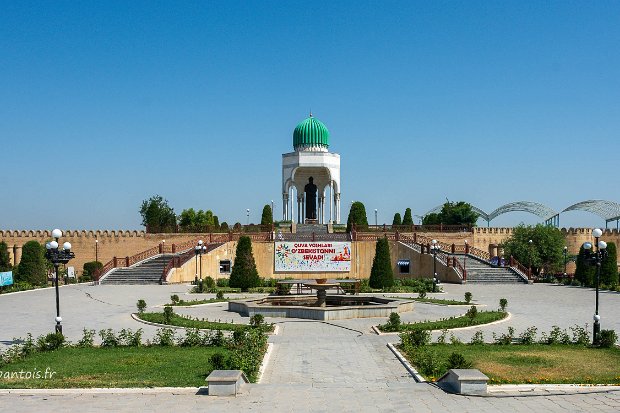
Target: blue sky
{"type": "Point", "coordinates": [104, 104]}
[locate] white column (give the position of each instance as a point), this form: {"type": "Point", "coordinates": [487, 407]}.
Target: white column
{"type": "Point", "coordinates": [338, 208]}
{"type": "Point", "coordinates": [331, 201]}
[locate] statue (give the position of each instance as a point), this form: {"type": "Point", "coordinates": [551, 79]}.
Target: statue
{"type": "Point", "coordinates": [310, 189]}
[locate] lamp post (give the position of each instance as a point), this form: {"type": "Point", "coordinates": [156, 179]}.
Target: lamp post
{"type": "Point", "coordinates": [163, 251]}
{"type": "Point", "coordinates": [595, 257]}
{"type": "Point", "coordinates": [247, 211]}
{"type": "Point", "coordinates": [197, 250]}
{"type": "Point", "coordinates": [530, 259]}
{"type": "Point", "coordinates": [435, 248]}
{"type": "Point", "coordinates": [376, 223]}
{"type": "Point", "coordinates": [272, 213]}
{"type": "Point", "coordinates": [565, 260]}
{"type": "Point", "coordinates": [96, 250]}
{"type": "Point", "coordinates": [58, 256]}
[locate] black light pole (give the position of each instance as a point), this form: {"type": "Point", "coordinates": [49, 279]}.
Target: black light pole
{"type": "Point", "coordinates": [196, 252]}
{"type": "Point", "coordinates": [58, 256]}
{"type": "Point", "coordinates": [595, 258]}
{"type": "Point", "coordinates": [96, 250]}
{"type": "Point", "coordinates": [376, 222]}
{"type": "Point", "coordinates": [434, 249]}
{"type": "Point", "coordinates": [565, 260]}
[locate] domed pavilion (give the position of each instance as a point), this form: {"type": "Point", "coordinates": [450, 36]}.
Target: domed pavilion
{"type": "Point", "coordinates": [311, 175]}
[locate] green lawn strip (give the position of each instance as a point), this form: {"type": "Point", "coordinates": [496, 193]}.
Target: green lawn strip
{"type": "Point", "coordinates": [114, 367]}
{"type": "Point", "coordinates": [483, 317]}
{"type": "Point", "coordinates": [181, 321]}
{"type": "Point", "coordinates": [536, 363]}
{"type": "Point", "coordinates": [183, 303]}
{"type": "Point", "coordinates": [435, 301]}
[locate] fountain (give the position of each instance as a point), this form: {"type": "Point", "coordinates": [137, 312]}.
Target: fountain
{"type": "Point", "coordinates": [322, 306]}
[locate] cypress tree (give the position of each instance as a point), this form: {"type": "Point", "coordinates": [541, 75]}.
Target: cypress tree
{"type": "Point", "coordinates": [584, 273]}
{"type": "Point", "coordinates": [357, 216]}
{"type": "Point", "coordinates": [32, 268]}
{"type": "Point", "coordinates": [397, 220]}
{"type": "Point", "coordinates": [244, 274]}
{"type": "Point", "coordinates": [407, 219]}
{"type": "Point", "coordinates": [381, 274]}
{"type": "Point", "coordinates": [267, 217]}
{"type": "Point", "coordinates": [609, 267]}
{"type": "Point", "coordinates": [5, 261]}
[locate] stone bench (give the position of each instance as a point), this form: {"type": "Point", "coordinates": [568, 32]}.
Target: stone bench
{"type": "Point", "coordinates": [464, 381]}
{"type": "Point", "coordinates": [225, 382]}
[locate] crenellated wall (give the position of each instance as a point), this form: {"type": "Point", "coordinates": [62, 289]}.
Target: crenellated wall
{"type": "Point", "coordinates": [84, 244]}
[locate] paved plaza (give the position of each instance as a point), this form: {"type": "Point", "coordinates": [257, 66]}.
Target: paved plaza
{"type": "Point", "coordinates": [314, 366]}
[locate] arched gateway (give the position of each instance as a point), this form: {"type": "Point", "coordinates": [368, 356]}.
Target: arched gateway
{"type": "Point", "coordinates": [311, 176]}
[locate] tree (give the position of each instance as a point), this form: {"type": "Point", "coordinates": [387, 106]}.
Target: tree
{"type": "Point", "coordinates": [453, 213]}
{"type": "Point", "coordinates": [609, 267]}
{"type": "Point", "coordinates": [397, 220]}
{"type": "Point", "coordinates": [237, 227]}
{"type": "Point", "coordinates": [381, 274]}
{"type": "Point", "coordinates": [5, 259]}
{"type": "Point", "coordinates": [244, 274]}
{"type": "Point", "coordinates": [216, 222]}
{"type": "Point", "coordinates": [187, 219]}
{"type": "Point", "coordinates": [407, 218]}
{"type": "Point", "coordinates": [544, 254]}
{"type": "Point", "coordinates": [89, 270]}
{"type": "Point", "coordinates": [584, 272]}
{"type": "Point", "coordinates": [357, 216]}
{"type": "Point", "coordinates": [224, 226]}
{"type": "Point", "coordinates": [32, 267]}
{"type": "Point", "coordinates": [267, 218]}
{"type": "Point", "coordinates": [157, 215]}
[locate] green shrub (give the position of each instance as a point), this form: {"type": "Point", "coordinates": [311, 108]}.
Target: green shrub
{"type": "Point", "coordinates": [609, 268]}
{"type": "Point", "coordinates": [129, 338]}
{"type": "Point", "coordinates": [219, 295]}
{"type": "Point", "coordinates": [457, 361]}
{"type": "Point", "coordinates": [89, 269]}
{"type": "Point", "coordinates": [442, 337]}
{"type": "Point", "coordinates": [244, 274]}
{"type": "Point", "coordinates": [164, 337]}
{"type": "Point", "coordinates": [468, 297]}
{"type": "Point", "coordinates": [393, 323]}
{"type": "Point", "coordinates": [175, 299]}
{"type": "Point", "coordinates": [415, 338]}
{"type": "Point", "coordinates": [608, 338]}
{"type": "Point", "coordinates": [477, 338]}
{"type": "Point", "coordinates": [108, 338]}
{"type": "Point", "coordinates": [50, 342]}
{"type": "Point", "coordinates": [5, 261]}
{"type": "Point", "coordinates": [357, 216]}
{"type": "Point", "coordinates": [209, 282]}
{"type": "Point", "coordinates": [505, 338]}
{"type": "Point", "coordinates": [193, 338]}
{"type": "Point", "coordinates": [428, 362]}
{"type": "Point", "coordinates": [88, 338]}
{"type": "Point", "coordinates": [257, 320]}
{"type": "Point", "coordinates": [168, 313]}
{"type": "Point", "coordinates": [528, 336]}
{"type": "Point", "coordinates": [581, 336]}
{"type": "Point", "coordinates": [503, 303]}
{"type": "Point", "coordinates": [222, 282]}
{"type": "Point", "coordinates": [381, 274]}
{"type": "Point", "coordinates": [219, 361]}
{"type": "Point", "coordinates": [32, 267]}
{"type": "Point", "coordinates": [141, 305]}
{"type": "Point", "coordinates": [555, 336]}
{"type": "Point", "coordinates": [472, 312]}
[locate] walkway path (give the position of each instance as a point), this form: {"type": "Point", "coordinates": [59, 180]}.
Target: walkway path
{"type": "Point", "coordinates": [315, 366]}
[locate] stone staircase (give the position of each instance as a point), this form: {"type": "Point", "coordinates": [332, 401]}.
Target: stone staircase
{"type": "Point", "coordinates": [479, 271]}
{"type": "Point", "coordinates": [146, 272]}
{"type": "Point", "coordinates": [310, 228]}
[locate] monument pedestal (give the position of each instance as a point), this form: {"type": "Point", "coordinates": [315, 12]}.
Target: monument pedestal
{"type": "Point", "coordinates": [312, 221]}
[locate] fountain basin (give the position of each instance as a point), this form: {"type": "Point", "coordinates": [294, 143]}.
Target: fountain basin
{"type": "Point", "coordinates": [338, 307]}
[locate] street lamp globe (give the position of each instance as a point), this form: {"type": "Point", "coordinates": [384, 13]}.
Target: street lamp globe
{"type": "Point", "coordinates": [56, 233]}
{"type": "Point", "coordinates": [58, 319]}
{"type": "Point", "coordinates": [434, 242]}
{"type": "Point", "coordinates": [587, 245]}
{"type": "Point", "coordinates": [596, 318]}
{"type": "Point", "coordinates": [53, 245]}
{"type": "Point", "coordinates": [66, 246]}
{"type": "Point", "coordinates": [48, 246]}
{"type": "Point", "coordinates": [602, 245]}
{"type": "Point", "coordinates": [200, 242]}
{"type": "Point", "coordinates": [596, 232]}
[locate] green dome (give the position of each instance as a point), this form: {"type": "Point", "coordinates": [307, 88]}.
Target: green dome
{"type": "Point", "coordinates": [310, 134]}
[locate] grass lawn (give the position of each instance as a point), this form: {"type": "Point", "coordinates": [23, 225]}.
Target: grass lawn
{"type": "Point", "coordinates": [538, 363]}
{"type": "Point", "coordinates": [180, 321]}
{"type": "Point", "coordinates": [435, 301]}
{"type": "Point", "coordinates": [183, 303]}
{"type": "Point", "coordinates": [114, 367]}
{"type": "Point", "coordinates": [483, 317]}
